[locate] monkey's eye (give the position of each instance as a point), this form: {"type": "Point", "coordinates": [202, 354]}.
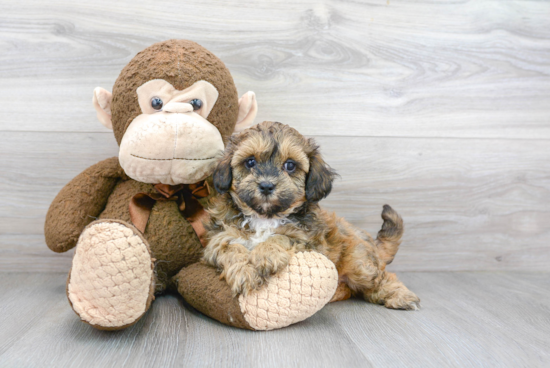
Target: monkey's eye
{"type": "Point", "coordinates": [156, 103]}
{"type": "Point", "coordinates": [196, 103]}
{"type": "Point", "coordinates": [250, 163]}
{"type": "Point", "coordinates": [289, 166]}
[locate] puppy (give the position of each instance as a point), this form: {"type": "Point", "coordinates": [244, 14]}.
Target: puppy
{"type": "Point", "coordinates": [271, 179]}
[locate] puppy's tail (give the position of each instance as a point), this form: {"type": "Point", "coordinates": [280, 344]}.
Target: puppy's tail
{"type": "Point", "coordinates": [389, 237]}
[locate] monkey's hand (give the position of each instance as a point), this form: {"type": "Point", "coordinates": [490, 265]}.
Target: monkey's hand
{"type": "Point", "coordinates": [271, 256]}
{"type": "Point", "coordinates": [79, 203]}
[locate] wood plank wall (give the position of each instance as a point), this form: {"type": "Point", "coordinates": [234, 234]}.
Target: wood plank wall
{"type": "Point", "coordinates": [441, 109]}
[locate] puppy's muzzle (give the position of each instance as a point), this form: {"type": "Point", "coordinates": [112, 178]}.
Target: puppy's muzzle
{"type": "Point", "coordinates": [266, 187]}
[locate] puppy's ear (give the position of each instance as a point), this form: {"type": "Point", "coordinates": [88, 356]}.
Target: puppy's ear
{"type": "Point", "coordinates": [223, 176]}
{"type": "Point", "coordinates": [319, 179]}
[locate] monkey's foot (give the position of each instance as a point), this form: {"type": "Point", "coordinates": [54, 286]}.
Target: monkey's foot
{"type": "Point", "coordinates": [111, 282]}
{"type": "Point", "coordinates": [295, 293]}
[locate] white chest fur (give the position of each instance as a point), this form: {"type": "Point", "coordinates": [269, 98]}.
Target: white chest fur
{"type": "Point", "coordinates": [261, 230]}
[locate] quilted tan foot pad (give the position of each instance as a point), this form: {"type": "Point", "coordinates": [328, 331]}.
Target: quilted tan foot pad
{"type": "Point", "coordinates": [294, 294]}
{"type": "Point", "coordinates": [111, 282]}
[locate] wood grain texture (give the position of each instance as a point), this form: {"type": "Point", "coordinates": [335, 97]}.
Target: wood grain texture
{"type": "Point", "coordinates": [467, 319]}
{"type": "Point", "coordinates": [474, 204]}
{"type": "Point", "coordinates": [376, 68]}
{"type": "Point", "coordinates": [467, 204]}
{"type": "Point", "coordinates": [440, 109]}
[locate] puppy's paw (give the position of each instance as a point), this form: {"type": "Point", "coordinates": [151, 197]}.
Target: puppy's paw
{"type": "Point", "coordinates": [242, 278]}
{"type": "Point", "coordinates": [268, 261]}
{"type": "Point", "coordinates": [403, 299]}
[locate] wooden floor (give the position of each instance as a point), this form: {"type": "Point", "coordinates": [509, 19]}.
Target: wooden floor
{"type": "Point", "coordinates": [482, 319]}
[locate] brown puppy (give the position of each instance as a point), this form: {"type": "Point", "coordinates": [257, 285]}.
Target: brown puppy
{"type": "Point", "coordinates": [271, 180]}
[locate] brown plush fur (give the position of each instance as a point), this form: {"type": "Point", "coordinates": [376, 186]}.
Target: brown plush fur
{"type": "Point", "coordinates": [204, 290]}
{"type": "Point", "coordinates": [79, 203]}
{"type": "Point", "coordinates": [104, 191]}
{"type": "Point", "coordinates": [181, 63]}
{"type": "Point", "coordinates": [247, 253]}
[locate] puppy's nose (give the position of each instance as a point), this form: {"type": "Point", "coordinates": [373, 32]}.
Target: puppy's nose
{"type": "Point", "coordinates": [266, 187]}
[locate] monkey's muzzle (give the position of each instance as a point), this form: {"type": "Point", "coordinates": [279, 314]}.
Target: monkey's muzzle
{"type": "Point", "coordinates": [170, 147]}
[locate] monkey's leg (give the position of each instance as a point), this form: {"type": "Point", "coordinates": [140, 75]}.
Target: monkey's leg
{"type": "Point", "coordinates": [295, 293]}
{"type": "Point", "coordinates": [111, 282]}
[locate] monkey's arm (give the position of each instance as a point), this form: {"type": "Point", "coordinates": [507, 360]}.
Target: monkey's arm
{"type": "Point", "coordinates": [79, 203]}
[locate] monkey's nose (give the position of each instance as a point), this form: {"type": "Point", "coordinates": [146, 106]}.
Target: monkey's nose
{"type": "Point", "coordinates": [178, 107]}
{"type": "Point", "coordinates": [266, 187]}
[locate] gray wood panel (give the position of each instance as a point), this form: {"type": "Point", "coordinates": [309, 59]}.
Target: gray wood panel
{"type": "Point", "coordinates": [376, 68]}
{"type": "Point", "coordinates": [439, 109]}
{"type": "Point", "coordinates": [468, 204]}
{"type": "Point", "coordinates": [466, 320]}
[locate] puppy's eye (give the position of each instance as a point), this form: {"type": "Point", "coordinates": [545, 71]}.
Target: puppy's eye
{"type": "Point", "coordinates": [196, 103]}
{"type": "Point", "coordinates": [250, 163]}
{"type": "Point", "coordinates": [156, 103]}
{"type": "Point", "coordinates": [289, 166]}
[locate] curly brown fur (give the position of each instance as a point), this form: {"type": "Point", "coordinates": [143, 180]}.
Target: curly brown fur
{"type": "Point", "coordinates": [253, 231]}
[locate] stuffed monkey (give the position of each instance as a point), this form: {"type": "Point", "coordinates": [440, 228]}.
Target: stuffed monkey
{"type": "Point", "coordinates": [135, 219]}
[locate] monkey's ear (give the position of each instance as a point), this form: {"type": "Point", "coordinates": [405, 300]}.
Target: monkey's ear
{"type": "Point", "coordinates": [319, 178]}
{"type": "Point", "coordinates": [223, 176]}
{"type": "Point", "coordinates": [102, 103]}
{"type": "Point", "coordinates": [248, 108]}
